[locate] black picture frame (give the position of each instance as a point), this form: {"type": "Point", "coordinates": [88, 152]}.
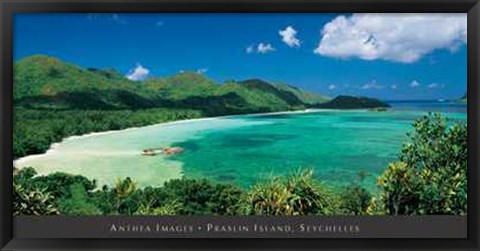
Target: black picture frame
{"type": "Point", "coordinates": [9, 7]}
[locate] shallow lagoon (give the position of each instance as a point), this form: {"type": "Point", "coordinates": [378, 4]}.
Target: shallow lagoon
{"type": "Point", "coordinates": [338, 145]}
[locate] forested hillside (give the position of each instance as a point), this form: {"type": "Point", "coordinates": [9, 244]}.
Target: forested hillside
{"type": "Point", "coordinates": [54, 99]}
{"type": "Point", "coordinates": [43, 82]}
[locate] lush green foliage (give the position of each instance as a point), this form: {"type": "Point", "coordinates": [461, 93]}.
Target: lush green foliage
{"type": "Point", "coordinates": [355, 200]}
{"type": "Point", "coordinates": [431, 175]}
{"type": "Point", "coordinates": [78, 202]}
{"type": "Point", "coordinates": [305, 97]}
{"type": "Point", "coordinates": [36, 130]}
{"type": "Point", "coordinates": [203, 197]}
{"type": "Point", "coordinates": [33, 201]}
{"type": "Point", "coordinates": [303, 195]}
{"type": "Point", "coordinates": [168, 209]}
{"type": "Point", "coordinates": [48, 76]}
{"type": "Point", "coordinates": [123, 191]}
{"type": "Point", "coordinates": [298, 194]}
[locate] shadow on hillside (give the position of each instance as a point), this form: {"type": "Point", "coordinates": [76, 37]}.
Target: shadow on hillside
{"type": "Point", "coordinates": [230, 103]}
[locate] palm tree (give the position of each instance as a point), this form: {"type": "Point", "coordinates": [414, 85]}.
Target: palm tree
{"type": "Point", "coordinates": [124, 189]}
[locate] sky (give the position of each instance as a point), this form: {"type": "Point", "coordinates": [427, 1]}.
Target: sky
{"type": "Point", "coordinates": [388, 56]}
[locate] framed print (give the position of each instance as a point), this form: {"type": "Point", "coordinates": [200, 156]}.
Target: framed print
{"type": "Point", "coordinates": [260, 125]}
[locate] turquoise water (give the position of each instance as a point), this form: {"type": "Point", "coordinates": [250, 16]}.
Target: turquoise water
{"type": "Point", "coordinates": [337, 145]}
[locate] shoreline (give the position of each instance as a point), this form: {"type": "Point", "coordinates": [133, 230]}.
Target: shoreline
{"type": "Point", "coordinates": [55, 145]}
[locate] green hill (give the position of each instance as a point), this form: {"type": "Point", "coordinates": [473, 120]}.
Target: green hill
{"type": "Point", "coordinates": [306, 97]}
{"type": "Point", "coordinates": [261, 86]}
{"type": "Point", "coordinates": [182, 86]}
{"type": "Point", "coordinates": [43, 82]}
{"type": "Point", "coordinates": [47, 76]}
{"type": "Point", "coordinates": [47, 82]}
{"type": "Point", "coordinates": [252, 99]}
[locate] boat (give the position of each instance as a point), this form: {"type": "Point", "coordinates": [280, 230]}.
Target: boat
{"type": "Point", "coordinates": [166, 151]}
{"type": "Point", "coordinates": [149, 152]}
{"type": "Point", "coordinates": [172, 150]}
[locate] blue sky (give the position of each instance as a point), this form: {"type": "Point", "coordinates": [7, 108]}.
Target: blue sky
{"type": "Point", "coordinates": [393, 57]}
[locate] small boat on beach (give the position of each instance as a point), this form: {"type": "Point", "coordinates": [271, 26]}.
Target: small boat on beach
{"type": "Point", "coordinates": [149, 152]}
{"type": "Point", "coordinates": [172, 150]}
{"type": "Point", "coordinates": [166, 151]}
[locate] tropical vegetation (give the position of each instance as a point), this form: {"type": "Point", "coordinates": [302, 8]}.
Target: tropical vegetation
{"type": "Point", "coordinates": [429, 177]}
{"type": "Point", "coordinates": [54, 99]}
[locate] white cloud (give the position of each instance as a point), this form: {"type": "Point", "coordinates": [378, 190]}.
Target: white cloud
{"type": "Point", "coordinates": [331, 87]}
{"type": "Point", "coordinates": [261, 48]}
{"type": "Point", "coordinates": [202, 70]}
{"type": "Point", "coordinates": [394, 37]}
{"type": "Point", "coordinates": [250, 49]}
{"type": "Point", "coordinates": [435, 85]}
{"type": "Point", "coordinates": [372, 85]}
{"type": "Point", "coordinates": [414, 84]}
{"type": "Point", "coordinates": [138, 73]}
{"type": "Point", "coordinates": [265, 48]}
{"type": "Point", "coordinates": [394, 87]}
{"type": "Point", "coordinates": [289, 36]}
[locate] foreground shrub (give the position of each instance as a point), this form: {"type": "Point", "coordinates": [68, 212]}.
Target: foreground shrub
{"type": "Point", "coordinates": [431, 176]}
{"type": "Point", "coordinates": [172, 208]}
{"type": "Point", "coordinates": [123, 191]}
{"type": "Point", "coordinates": [32, 201]}
{"type": "Point", "coordinates": [299, 194]}
{"type": "Point", "coordinates": [78, 203]}
{"type": "Point", "coordinates": [355, 200]}
{"type": "Point", "coordinates": [57, 184]}
{"type": "Point", "coordinates": [201, 197]}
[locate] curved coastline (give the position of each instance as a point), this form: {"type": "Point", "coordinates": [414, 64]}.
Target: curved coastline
{"type": "Point", "coordinates": [104, 156]}
{"type": "Point", "coordinates": [55, 146]}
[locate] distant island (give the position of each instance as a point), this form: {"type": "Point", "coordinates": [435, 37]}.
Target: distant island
{"type": "Point", "coordinates": [353, 102]}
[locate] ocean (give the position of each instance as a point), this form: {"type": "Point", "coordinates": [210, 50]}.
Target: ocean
{"type": "Point", "coordinates": [339, 145]}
